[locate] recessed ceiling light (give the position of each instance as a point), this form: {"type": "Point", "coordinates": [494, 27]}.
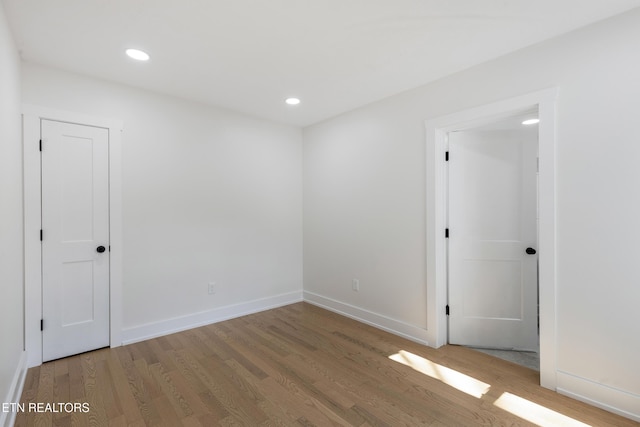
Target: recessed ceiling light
{"type": "Point", "coordinates": [292, 101]}
{"type": "Point", "coordinates": [137, 54]}
{"type": "Point", "coordinates": [530, 122]}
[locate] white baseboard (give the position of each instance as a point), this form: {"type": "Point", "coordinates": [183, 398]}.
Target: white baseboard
{"type": "Point", "coordinates": [610, 399]}
{"type": "Point", "coordinates": [7, 419]}
{"type": "Point", "coordinates": [182, 323]}
{"type": "Point", "coordinates": [379, 321]}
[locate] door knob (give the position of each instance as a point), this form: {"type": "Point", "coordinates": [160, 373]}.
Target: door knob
{"type": "Point", "coordinates": [530, 251]}
{"type": "Point", "coordinates": [101, 249]}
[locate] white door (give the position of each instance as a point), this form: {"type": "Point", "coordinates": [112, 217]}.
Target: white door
{"type": "Point", "coordinates": [493, 224]}
{"type": "Point", "coordinates": [75, 239]}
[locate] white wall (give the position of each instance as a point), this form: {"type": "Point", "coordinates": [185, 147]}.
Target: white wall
{"type": "Point", "coordinates": [209, 195]}
{"type": "Point", "coordinates": [11, 274]}
{"type": "Point", "coordinates": [364, 200]}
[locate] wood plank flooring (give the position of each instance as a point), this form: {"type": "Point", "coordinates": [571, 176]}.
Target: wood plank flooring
{"type": "Point", "coordinates": [294, 365]}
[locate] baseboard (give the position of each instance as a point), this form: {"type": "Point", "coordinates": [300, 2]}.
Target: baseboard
{"type": "Point", "coordinates": [608, 398]}
{"type": "Point", "coordinates": [7, 419]}
{"type": "Point", "coordinates": [379, 321]}
{"type": "Point", "coordinates": [182, 323]}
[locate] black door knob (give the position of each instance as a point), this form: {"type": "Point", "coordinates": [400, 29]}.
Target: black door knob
{"type": "Point", "coordinates": [530, 251]}
{"type": "Point", "coordinates": [100, 249]}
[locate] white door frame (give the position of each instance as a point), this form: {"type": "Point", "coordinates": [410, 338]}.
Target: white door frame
{"type": "Point", "coordinates": [436, 197]}
{"type": "Point", "coordinates": [31, 117]}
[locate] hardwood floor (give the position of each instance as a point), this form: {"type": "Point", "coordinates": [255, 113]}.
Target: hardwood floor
{"type": "Point", "coordinates": [295, 365]}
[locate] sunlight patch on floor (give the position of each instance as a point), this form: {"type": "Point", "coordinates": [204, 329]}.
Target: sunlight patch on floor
{"type": "Point", "coordinates": [451, 377]}
{"type": "Point", "coordinates": [535, 413]}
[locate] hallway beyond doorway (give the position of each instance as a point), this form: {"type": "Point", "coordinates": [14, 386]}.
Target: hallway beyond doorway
{"type": "Point", "coordinates": [529, 359]}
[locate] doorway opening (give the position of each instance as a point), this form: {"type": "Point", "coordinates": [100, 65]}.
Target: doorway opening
{"type": "Point", "coordinates": [492, 214]}
{"type": "Point", "coordinates": [437, 219]}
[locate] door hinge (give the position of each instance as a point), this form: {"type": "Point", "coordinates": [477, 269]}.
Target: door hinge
{"type": "Point", "coordinates": [446, 233]}
{"type": "Point", "coordinates": [41, 234]}
{"type": "Point", "coordinates": [40, 145]}
{"type": "Point", "coordinates": [446, 310]}
{"type": "Point", "coordinates": [42, 324]}
{"type": "Point", "coordinates": [446, 156]}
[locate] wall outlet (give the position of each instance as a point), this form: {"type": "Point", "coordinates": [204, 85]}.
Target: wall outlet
{"type": "Point", "coordinates": [212, 288]}
{"type": "Point", "coordinates": [355, 285]}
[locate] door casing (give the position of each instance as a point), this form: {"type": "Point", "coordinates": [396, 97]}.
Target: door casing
{"type": "Point", "coordinates": [31, 117]}
{"type": "Point", "coordinates": [436, 216]}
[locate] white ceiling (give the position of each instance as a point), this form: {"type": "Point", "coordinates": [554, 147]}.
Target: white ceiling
{"type": "Point", "coordinates": [249, 55]}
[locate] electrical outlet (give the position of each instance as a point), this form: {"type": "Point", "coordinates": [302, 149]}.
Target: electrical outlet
{"type": "Point", "coordinates": [355, 285]}
{"type": "Point", "coordinates": [212, 288]}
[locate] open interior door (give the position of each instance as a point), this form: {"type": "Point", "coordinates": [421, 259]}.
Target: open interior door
{"type": "Point", "coordinates": [493, 289]}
